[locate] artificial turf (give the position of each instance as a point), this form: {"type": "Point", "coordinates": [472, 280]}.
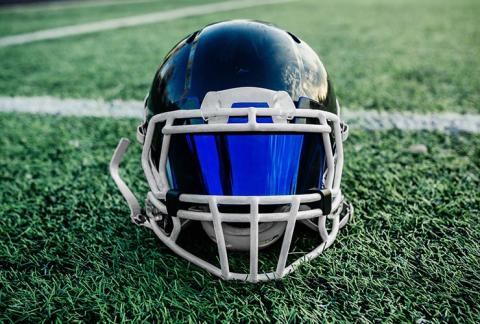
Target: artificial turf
{"type": "Point", "coordinates": [411, 55]}
{"type": "Point", "coordinates": [68, 250]}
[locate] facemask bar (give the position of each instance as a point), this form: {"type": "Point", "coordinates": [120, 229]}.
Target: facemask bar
{"type": "Point", "coordinates": [254, 218]}
{"type": "Point", "coordinates": [215, 111]}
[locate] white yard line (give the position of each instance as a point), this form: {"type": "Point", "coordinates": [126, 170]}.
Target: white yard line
{"type": "Point", "coordinates": [59, 5]}
{"type": "Point", "coordinates": [156, 17]}
{"type": "Point", "coordinates": [444, 122]}
{"type": "Point", "coordinates": [72, 107]}
{"type": "Point", "coordinates": [371, 120]}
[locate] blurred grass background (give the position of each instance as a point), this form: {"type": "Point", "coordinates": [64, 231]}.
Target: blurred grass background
{"type": "Point", "coordinates": [408, 55]}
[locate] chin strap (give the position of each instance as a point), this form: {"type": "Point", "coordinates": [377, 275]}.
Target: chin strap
{"type": "Point", "coordinates": [135, 210]}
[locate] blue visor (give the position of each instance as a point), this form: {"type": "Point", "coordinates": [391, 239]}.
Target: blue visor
{"type": "Point", "coordinates": [246, 164]}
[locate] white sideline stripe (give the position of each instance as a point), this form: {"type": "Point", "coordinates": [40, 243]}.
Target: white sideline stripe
{"type": "Point", "coordinates": [370, 120]}
{"type": "Point", "coordinates": [156, 17]}
{"type": "Point", "coordinates": [31, 7]}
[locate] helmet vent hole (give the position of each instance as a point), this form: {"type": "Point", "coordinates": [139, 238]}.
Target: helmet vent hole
{"type": "Point", "coordinates": [192, 37]}
{"type": "Point", "coordinates": [295, 38]}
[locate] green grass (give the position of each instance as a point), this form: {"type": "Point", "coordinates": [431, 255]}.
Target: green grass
{"type": "Point", "coordinates": [24, 20]}
{"type": "Point", "coordinates": [69, 252]}
{"type": "Point", "coordinates": [410, 55]}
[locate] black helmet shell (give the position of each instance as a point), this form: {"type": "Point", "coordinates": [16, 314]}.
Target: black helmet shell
{"type": "Point", "coordinates": [239, 53]}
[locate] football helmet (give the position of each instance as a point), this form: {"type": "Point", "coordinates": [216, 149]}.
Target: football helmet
{"type": "Point", "coordinates": [242, 134]}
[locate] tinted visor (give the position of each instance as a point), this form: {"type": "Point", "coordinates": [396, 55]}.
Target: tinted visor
{"type": "Point", "coordinates": [246, 164]}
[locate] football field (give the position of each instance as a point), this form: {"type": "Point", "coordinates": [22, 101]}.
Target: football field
{"type": "Point", "coordinates": [69, 252]}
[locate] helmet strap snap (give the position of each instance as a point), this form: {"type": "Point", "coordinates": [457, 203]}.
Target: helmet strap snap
{"type": "Point", "coordinates": [173, 203]}
{"type": "Point", "coordinates": [325, 202]}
